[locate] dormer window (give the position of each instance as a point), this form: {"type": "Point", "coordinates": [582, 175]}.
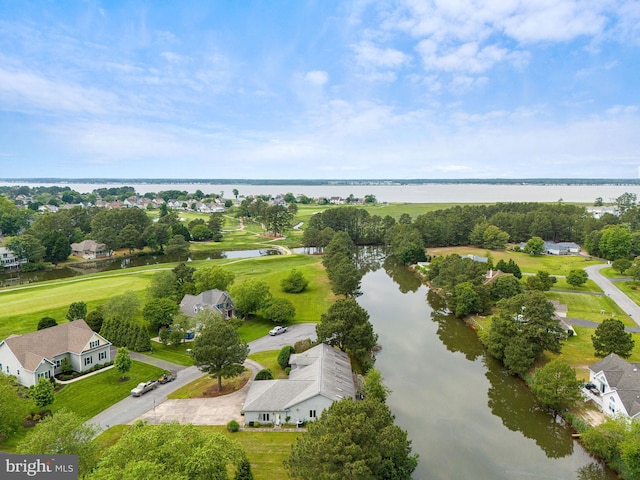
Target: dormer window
{"type": "Point", "coordinates": [94, 343]}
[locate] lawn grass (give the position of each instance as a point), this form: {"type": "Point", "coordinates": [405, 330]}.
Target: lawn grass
{"type": "Point", "coordinates": [555, 265]}
{"type": "Point", "coordinates": [172, 354]}
{"type": "Point", "coordinates": [92, 395]}
{"type": "Point", "coordinates": [265, 450]}
{"type": "Point", "coordinates": [590, 286]}
{"type": "Point", "coordinates": [630, 289]}
{"type": "Point", "coordinates": [269, 360]}
{"type": "Point", "coordinates": [588, 307]}
{"type": "Point", "coordinates": [198, 387]}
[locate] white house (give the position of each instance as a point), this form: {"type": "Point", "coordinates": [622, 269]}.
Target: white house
{"type": "Point", "coordinates": [8, 259]}
{"type": "Point", "coordinates": [598, 212]}
{"type": "Point", "coordinates": [618, 383]}
{"type": "Point", "coordinates": [90, 249]}
{"type": "Point", "coordinates": [39, 354]}
{"type": "Point", "coordinates": [320, 376]}
{"type": "Point", "coordinates": [217, 300]}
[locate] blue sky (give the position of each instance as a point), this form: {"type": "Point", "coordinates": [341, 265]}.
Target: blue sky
{"type": "Point", "coordinates": [320, 89]}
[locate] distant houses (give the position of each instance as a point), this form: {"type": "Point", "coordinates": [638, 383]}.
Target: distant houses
{"type": "Point", "coordinates": [9, 260]}
{"type": "Point", "coordinates": [557, 248]}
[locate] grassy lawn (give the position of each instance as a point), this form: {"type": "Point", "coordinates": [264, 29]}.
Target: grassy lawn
{"type": "Point", "coordinates": [588, 307]}
{"type": "Point", "coordinates": [269, 359]}
{"type": "Point", "coordinates": [590, 286]}
{"type": "Point", "coordinates": [203, 384]}
{"type": "Point", "coordinates": [92, 395]}
{"type": "Point", "coordinates": [265, 450]}
{"type": "Point", "coordinates": [630, 290]}
{"type": "Point", "coordinates": [555, 265]}
{"type": "Point", "coordinates": [171, 354]}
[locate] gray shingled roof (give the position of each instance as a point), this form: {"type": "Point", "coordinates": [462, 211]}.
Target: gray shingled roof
{"type": "Point", "coordinates": [192, 304]}
{"type": "Point", "coordinates": [32, 348]}
{"type": "Point", "coordinates": [88, 246]}
{"type": "Point", "coordinates": [321, 370]}
{"type": "Point", "coordinates": [624, 377]}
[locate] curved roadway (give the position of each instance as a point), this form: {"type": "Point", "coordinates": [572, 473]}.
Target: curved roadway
{"type": "Point", "coordinates": [618, 296]}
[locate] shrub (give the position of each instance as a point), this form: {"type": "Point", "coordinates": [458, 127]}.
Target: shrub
{"type": "Point", "coordinates": [303, 345]}
{"type": "Point", "coordinates": [264, 374]}
{"type": "Point", "coordinates": [46, 322]}
{"type": "Point", "coordinates": [283, 356]}
{"type": "Point", "coordinates": [233, 426]}
{"type": "Point", "coordinates": [294, 283]}
{"type": "Point", "coordinates": [287, 370]}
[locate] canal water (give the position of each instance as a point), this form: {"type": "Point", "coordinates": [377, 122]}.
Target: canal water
{"type": "Point", "coordinates": [466, 417]}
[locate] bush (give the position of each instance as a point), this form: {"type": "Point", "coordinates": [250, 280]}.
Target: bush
{"type": "Point", "coordinates": [233, 426]}
{"type": "Point", "coordinates": [287, 370]}
{"type": "Point", "coordinates": [264, 374]}
{"type": "Point", "coordinates": [283, 356]}
{"type": "Point", "coordinates": [46, 322]}
{"type": "Point", "coordinates": [303, 345]}
{"type": "Point", "coordinates": [294, 283]}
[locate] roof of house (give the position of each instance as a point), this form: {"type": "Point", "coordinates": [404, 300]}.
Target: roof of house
{"type": "Point", "coordinates": [30, 349]}
{"type": "Point", "coordinates": [87, 245]}
{"type": "Point", "coordinates": [192, 304]}
{"type": "Point", "coordinates": [321, 370]}
{"type": "Point", "coordinates": [623, 377]}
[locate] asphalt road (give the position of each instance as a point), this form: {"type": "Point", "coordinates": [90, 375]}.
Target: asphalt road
{"type": "Point", "coordinates": [607, 286]}
{"type": "Point", "coordinates": [131, 408]}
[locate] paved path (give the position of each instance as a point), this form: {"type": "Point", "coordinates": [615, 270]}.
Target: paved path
{"type": "Point", "coordinates": [293, 334]}
{"type": "Point", "coordinates": [607, 286]}
{"type": "Point", "coordinates": [579, 322]}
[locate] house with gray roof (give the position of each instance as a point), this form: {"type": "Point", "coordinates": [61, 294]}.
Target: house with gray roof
{"type": "Point", "coordinates": [320, 376]}
{"type": "Point", "coordinates": [90, 250]}
{"type": "Point", "coordinates": [217, 300]}
{"type": "Point", "coordinates": [39, 354]}
{"type": "Point", "coordinates": [618, 383]}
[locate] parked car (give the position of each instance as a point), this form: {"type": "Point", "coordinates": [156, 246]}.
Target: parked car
{"type": "Point", "coordinates": [592, 388]}
{"type": "Point", "coordinates": [277, 330]}
{"type": "Point", "coordinates": [168, 377]}
{"type": "Point", "coordinates": [144, 387]}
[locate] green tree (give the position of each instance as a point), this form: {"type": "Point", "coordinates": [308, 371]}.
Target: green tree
{"type": "Point", "coordinates": [279, 310]}
{"type": "Point", "coordinates": [346, 325]}
{"type": "Point", "coordinates": [201, 232]}
{"type": "Point", "coordinates": [215, 224]}
{"type": "Point", "coordinates": [11, 406]}
{"type": "Point", "coordinates": [615, 242]}
{"type": "Point", "coordinates": [610, 337]}
{"type": "Point", "coordinates": [244, 469]}
{"type": "Point", "coordinates": [209, 278]}
{"type": "Point", "coordinates": [295, 282]}
{"type": "Point", "coordinates": [505, 286]}
{"type": "Point", "coordinates": [77, 311]}
{"type": "Point", "coordinates": [534, 246]}
{"type": "Point", "coordinates": [95, 319]}
{"type": "Point", "coordinates": [284, 355]}
{"type": "Point", "coordinates": [122, 362]}
{"type": "Point", "coordinates": [621, 265]}
{"type": "Point", "coordinates": [177, 245]}
{"type": "Point", "coordinates": [169, 451]}
{"type": "Point", "coordinates": [12, 218]}
{"type": "Point", "coordinates": [577, 277]}
{"type": "Point", "coordinates": [159, 312]}
{"type": "Point", "coordinates": [467, 300]}
{"type": "Point", "coordinates": [250, 296]}
{"type": "Point", "coordinates": [630, 449]}
{"type": "Point", "coordinates": [541, 281]}
{"type": "Point", "coordinates": [605, 439]}
{"type": "Point", "coordinates": [163, 284]}
{"type": "Point", "coordinates": [374, 387]}
{"type": "Point", "coordinates": [56, 245]}
{"type": "Point", "coordinates": [264, 374]}
{"type": "Point", "coordinates": [219, 351]}
{"type": "Point", "coordinates": [129, 237]}
{"type": "Point", "coordinates": [64, 433]}
{"type": "Point", "coordinates": [344, 276]}
{"type": "Point", "coordinates": [26, 246]}
{"type": "Point", "coordinates": [42, 393]}
{"type": "Point", "coordinates": [556, 386]}
{"type": "Point", "coordinates": [352, 439]}
{"type": "Point", "coordinates": [46, 322]}
{"type": "Point", "coordinates": [120, 307]}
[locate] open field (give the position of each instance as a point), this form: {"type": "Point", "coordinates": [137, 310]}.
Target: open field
{"type": "Point", "coordinates": [171, 354]}
{"type": "Point", "coordinates": [631, 290]}
{"type": "Point", "coordinates": [588, 307]}
{"type": "Point", "coordinates": [266, 450]}
{"type": "Point", "coordinates": [24, 306]}
{"type": "Point", "coordinates": [555, 265]}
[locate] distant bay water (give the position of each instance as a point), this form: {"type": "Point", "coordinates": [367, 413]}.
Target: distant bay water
{"type": "Point", "coordinates": [412, 193]}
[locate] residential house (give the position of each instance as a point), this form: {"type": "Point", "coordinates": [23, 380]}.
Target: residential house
{"type": "Point", "coordinates": [476, 258]}
{"type": "Point", "coordinates": [48, 208]}
{"type": "Point", "coordinates": [39, 354]}
{"type": "Point", "coordinates": [598, 212]}
{"type": "Point", "coordinates": [618, 384]}
{"type": "Point", "coordinates": [9, 260]}
{"type": "Point", "coordinates": [90, 250]}
{"type": "Point", "coordinates": [320, 376]}
{"type": "Point", "coordinates": [561, 248]}
{"type": "Point", "coordinates": [217, 300]}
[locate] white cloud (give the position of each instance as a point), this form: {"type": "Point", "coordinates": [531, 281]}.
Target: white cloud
{"type": "Point", "coordinates": [317, 77]}
{"type": "Point", "coordinates": [370, 56]}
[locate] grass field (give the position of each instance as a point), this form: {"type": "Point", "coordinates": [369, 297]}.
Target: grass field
{"type": "Point", "coordinates": [266, 450]}
{"type": "Point", "coordinates": [555, 265]}
{"type": "Point", "coordinates": [269, 360]}
{"type": "Point", "coordinates": [200, 385]}
{"type": "Point", "coordinates": [589, 307]}
{"type": "Point", "coordinates": [171, 354]}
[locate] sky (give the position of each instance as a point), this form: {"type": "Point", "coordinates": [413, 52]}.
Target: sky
{"type": "Point", "coordinates": [320, 89]}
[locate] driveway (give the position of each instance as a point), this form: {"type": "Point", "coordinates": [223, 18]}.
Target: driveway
{"type": "Point", "coordinates": [293, 334]}
{"type": "Point", "coordinates": [607, 286]}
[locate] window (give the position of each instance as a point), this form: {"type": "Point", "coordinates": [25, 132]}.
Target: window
{"type": "Point", "coordinates": [94, 343]}
{"type": "Point", "coordinates": [612, 404]}
{"type": "Point", "coordinates": [58, 363]}
{"type": "Point", "coordinates": [88, 361]}
{"type": "Point", "coordinates": [18, 373]}
{"type": "Point", "coordinates": [102, 355]}
{"type": "Point", "coordinates": [7, 368]}
{"type": "Point", "coordinates": [43, 375]}
{"type": "Point", "coordinates": [312, 414]}
{"type": "Point", "coordinates": [264, 417]}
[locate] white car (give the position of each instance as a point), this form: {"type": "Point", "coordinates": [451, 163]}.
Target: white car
{"type": "Point", "coordinates": [277, 330]}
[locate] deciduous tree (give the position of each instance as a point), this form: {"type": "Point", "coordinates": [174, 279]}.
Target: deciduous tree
{"type": "Point", "coordinates": [11, 406]}
{"type": "Point", "coordinates": [279, 310]}
{"type": "Point", "coordinates": [219, 351]}
{"type": "Point", "coordinates": [46, 322]}
{"type": "Point", "coordinates": [353, 439]}
{"type": "Point", "coordinates": [209, 278]}
{"type": "Point", "coordinates": [122, 362]}
{"type": "Point", "coordinates": [159, 312]}
{"type": "Point", "coordinates": [163, 284]}
{"type": "Point", "coordinates": [534, 246]}
{"type": "Point", "coordinates": [610, 337]}
{"type": "Point", "coordinates": [42, 393]}
{"type": "Point", "coordinates": [77, 311]}
{"type": "Point", "coordinates": [556, 386]}
{"type": "Point", "coordinates": [577, 277]}
{"type": "Point", "coordinates": [295, 282]}
{"type": "Point", "coordinates": [250, 296]}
